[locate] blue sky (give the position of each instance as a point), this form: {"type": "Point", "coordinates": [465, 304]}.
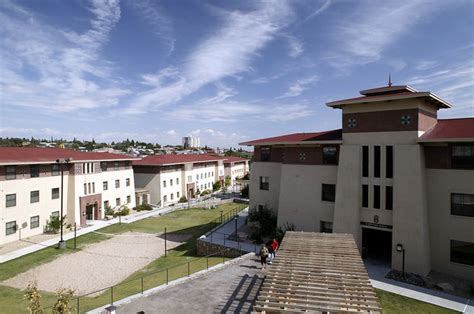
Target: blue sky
{"type": "Point", "coordinates": [226, 71]}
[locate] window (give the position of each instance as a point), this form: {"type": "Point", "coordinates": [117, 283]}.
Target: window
{"type": "Point", "coordinates": [190, 178]}
{"type": "Point", "coordinates": [171, 182]}
{"type": "Point", "coordinates": [205, 175]}
{"type": "Point", "coordinates": [265, 153]}
{"type": "Point", "coordinates": [89, 187]}
{"type": "Point", "coordinates": [164, 183]}
{"type": "Point", "coordinates": [116, 165]}
{"type": "Point", "coordinates": [365, 195]}
{"type": "Point", "coordinates": [54, 193]}
{"type": "Point", "coordinates": [302, 156]}
{"type": "Point", "coordinates": [34, 171]}
{"type": "Point", "coordinates": [85, 188]}
{"type": "Point", "coordinates": [117, 184]}
{"type": "Point", "coordinates": [105, 185]}
{"type": "Point", "coordinates": [34, 196]}
{"type": "Point", "coordinates": [10, 227]}
{"type": "Point", "coordinates": [10, 200]}
{"type": "Point", "coordinates": [117, 201]}
{"type": "Point", "coordinates": [462, 204]}
{"type": "Point", "coordinates": [103, 165]}
{"type": "Point", "coordinates": [389, 197]}
{"type": "Point", "coordinates": [55, 170]}
{"type": "Point", "coordinates": [55, 214]}
{"type": "Point", "coordinates": [129, 199]}
{"type": "Point", "coordinates": [389, 162]}
{"type": "Point", "coordinates": [34, 222]}
{"type": "Point", "coordinates": [462, 157]}
{"type": "Point", "coordinates": [165, 199]}
{"type": "Point", "coordinates": [10, 172]}
{"type": "Point", "coordinates": [330, 155]}
{"type": "Point", "coordinates": [462, 252]}
{"type": "Point", "coordinates": [106, 204]}
{"type": "Point", "coordinates": [264, 183]}
{"type": "Point", "coordinates": [177, 194]}
{"type": "Point", "coordinates": [127, 181]}
{"type": "Point", "coordinates": [201, 176]}
{"type": "Point", "coordinates": [328, 192]}
{"type": "Point", "coordinates": [93, 187]}
{"type": "Point", "coordinates": [325, 227]}
{"type": "Point", "coordinates": [377, 196]}
{"type": "Point", "coordinates": [365, 161]}
{"type": "Point", "coordinates": [377, 161]}
{"type": "Point", "coordinates": [171, 196]}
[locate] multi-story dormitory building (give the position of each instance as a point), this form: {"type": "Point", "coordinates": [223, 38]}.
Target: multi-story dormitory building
{"type": "Point", "coordinates": [30, 182]}
{"type": "Point", "coordinates": [169, 177]}
{"type": "Point", "coordinates": [394, 176]}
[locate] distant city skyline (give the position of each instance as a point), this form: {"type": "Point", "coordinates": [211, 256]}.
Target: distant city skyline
{"type": "Point", "coordinates": [227, 72]}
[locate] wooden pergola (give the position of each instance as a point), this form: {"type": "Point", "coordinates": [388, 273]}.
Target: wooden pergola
{"type": "Point", "coordinates": [317, 272]}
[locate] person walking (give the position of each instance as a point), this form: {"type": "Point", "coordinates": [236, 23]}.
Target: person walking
{"type": "Point", "coordinates": [263, 256]}
{"type": "Point", "coordinates": [275, 247]}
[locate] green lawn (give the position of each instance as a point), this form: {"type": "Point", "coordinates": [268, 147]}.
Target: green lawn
{"type": "Point", "coordinates": [394, 303]}
{"type": "Point", "coordinates": [195, 221]}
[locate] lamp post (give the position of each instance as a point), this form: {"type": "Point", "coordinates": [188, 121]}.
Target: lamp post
{"type": "Point", "coordinates": [61, 162]}
{"type": "Point", "coordinates": [401, 249]}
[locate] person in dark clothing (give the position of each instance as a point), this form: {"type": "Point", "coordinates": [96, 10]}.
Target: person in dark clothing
{"type": "Point", "coordinates": [263, 256]}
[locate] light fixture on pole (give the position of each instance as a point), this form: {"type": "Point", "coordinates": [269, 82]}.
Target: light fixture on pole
{"type": "Point", "coordinates": [401, 249]}
{"type": "Point", "coordinates": [61, 162]}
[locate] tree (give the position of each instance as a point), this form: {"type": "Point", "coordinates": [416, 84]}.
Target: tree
{"type": "Point", "coordinates": [33, 297]}
{"type": "Point", "coordinates": [227, 180]}
{"type": "Point", "coordinates": [216, 185]}
{"type": "Point", "coordinates": [245, 191]}
{"type": "Point", "coordinates": [63, 303]}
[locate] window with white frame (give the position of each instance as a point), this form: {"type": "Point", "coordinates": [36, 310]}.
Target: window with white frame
{"type": "Point", "coordinates": [34, 222]}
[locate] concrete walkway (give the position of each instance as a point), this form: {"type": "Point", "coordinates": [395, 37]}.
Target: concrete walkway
{"type": "Point", "coordinates": [377, 274]}
{"type": "Point", "coordinates": [94, 225]}
{"type": "Point", "coordinates": [220, 235]}
{"type": "Point", "coordinates": [229, 289]}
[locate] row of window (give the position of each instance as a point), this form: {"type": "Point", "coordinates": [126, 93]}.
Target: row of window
{"type": "Point", "coordinates": [11, 171]}
{"type": "Point", "coordinates": [329, 155]}
{"type": "Point", "coordinates": [10, 199]}
{"type": "Point", "coordinates": [376, 197]}
{"type": "Point", "coordinates": [118, 201]}
{"type": "Point", "coordinates": [171, 182]}
{"type": "Point", "coordinates": [377, 156]}
{"type": "Point", "coordinates": [165, 197]}
{"type": "Point", "coordinates": [11, 226]}
{"type": "Point", "coordinates": [89, 188]}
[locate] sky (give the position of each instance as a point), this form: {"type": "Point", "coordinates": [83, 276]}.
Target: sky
{"type": "Point", "coordinates": [225, 71]}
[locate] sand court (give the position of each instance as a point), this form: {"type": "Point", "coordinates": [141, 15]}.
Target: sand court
{"type": "Point", "coordinates": [98, 265]}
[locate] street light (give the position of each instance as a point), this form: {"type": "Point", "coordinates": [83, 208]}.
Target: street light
{"type": "Point", "coordinates": [61, 162]}
{"type": "Point", "coordinates": [401, 249]}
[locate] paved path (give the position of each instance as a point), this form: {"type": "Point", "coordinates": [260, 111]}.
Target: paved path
{"type": "Point", "coordinates": [221, 234]}
{"type": "Point", "coordinates": [377, 274]}
{"type": "Point", "coordinates": [231, 289]}
{"type": "Point", "coordinates": [98, 224]}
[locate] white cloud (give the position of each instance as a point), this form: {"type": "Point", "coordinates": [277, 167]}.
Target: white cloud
{"type": "Point", "coordinates": [162, 25]}
{"type": "Point", "coordinates": [300, 86]}
{"type": "Point", "coordinates": [295, 46]}
{"type": "Point", "coordinates": [266, 79]}
{"type": "Point", "coordinates": [64, 69]}
{"type": "Point", "coordinates": [225, 53]}
{"type": "Point", "coordinates": [362, 36]}
{"type": "Point", "coordinates": [426, 65]}
{"type": "Point", "coordinates": [319, 10]}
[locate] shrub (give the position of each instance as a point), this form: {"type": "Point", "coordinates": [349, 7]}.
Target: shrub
{"type": "Point", "coordinates": [33, 297]}
{"type": "Point", "coordinates": [216, 186]}
{"type": "Point", "coordinates": [109, 211]}
{"type": "Point", "coordinates": [266, 219]}
{"type": "Point", "coordinates": [246, 177]}
{"type": "Point", "coordinates": [227, 180]}
{"type": "Point", "coordinates": [183, 199]}
{"type": "Point", "coordinates": [245, 191]}
{"type": "Point", "coordinates": [54, 223]}
{"type": "Point", "coordinates": [63, 303]}
{"type": "Point", "coordinates": [280, 231]}
{"type": "Point", "coordinates": [123, 211]}
{"type": "Point", "coordinates": [206, 192]}
{"type": "Point", "coordinates": [143, 207]}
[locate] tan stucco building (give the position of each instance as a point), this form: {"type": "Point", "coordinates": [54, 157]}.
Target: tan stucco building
{"type": "Point", "coordinates": [394, 175]}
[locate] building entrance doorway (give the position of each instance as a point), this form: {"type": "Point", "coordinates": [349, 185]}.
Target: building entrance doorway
{"type": "Point", "coordinates": [377, 245]}
{"type": "Point", "coordinates": [90, 212]}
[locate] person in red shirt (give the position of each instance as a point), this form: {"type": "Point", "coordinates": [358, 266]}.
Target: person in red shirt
{"type": "Point", "coordinates": [275, 245]}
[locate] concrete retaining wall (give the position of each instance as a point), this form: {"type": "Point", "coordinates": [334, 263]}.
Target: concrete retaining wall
{"type": "Point", "coordinates": [206, 248]}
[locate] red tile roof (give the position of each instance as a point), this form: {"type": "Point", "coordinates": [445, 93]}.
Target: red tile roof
{"type": "Point", "coordinates": [332, 135]}
{"type": "Point", "coordinates": [158, 160]}
{"type": "Point", "coordinates": [450, 130]}
{"type": "Point", "coordinates": [11, 155]}
{"type": "Point", "coordinates": [231, 159]}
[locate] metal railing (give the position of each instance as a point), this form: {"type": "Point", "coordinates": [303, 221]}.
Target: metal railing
{"type": "Point", "coordinates": [109, 295]}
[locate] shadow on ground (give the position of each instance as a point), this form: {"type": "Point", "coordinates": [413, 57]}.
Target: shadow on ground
{"type": "Point", "coordinates": [242, 295]}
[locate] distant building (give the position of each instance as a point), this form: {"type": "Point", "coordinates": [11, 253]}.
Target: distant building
{"type": "Point", "coordinates": [395, 176]}
{"type": "Point", "coordinates": [235, 168]}
{"type": "Point", "coordinates": [169, 177]}
{"type": "Point", "coordinates": [191, 142]}
{"type": "Point", "coordinates": [30, 182]}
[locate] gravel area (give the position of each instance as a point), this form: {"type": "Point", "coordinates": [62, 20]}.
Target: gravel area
{"type": "Point", "coordinates": [98, 265]}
